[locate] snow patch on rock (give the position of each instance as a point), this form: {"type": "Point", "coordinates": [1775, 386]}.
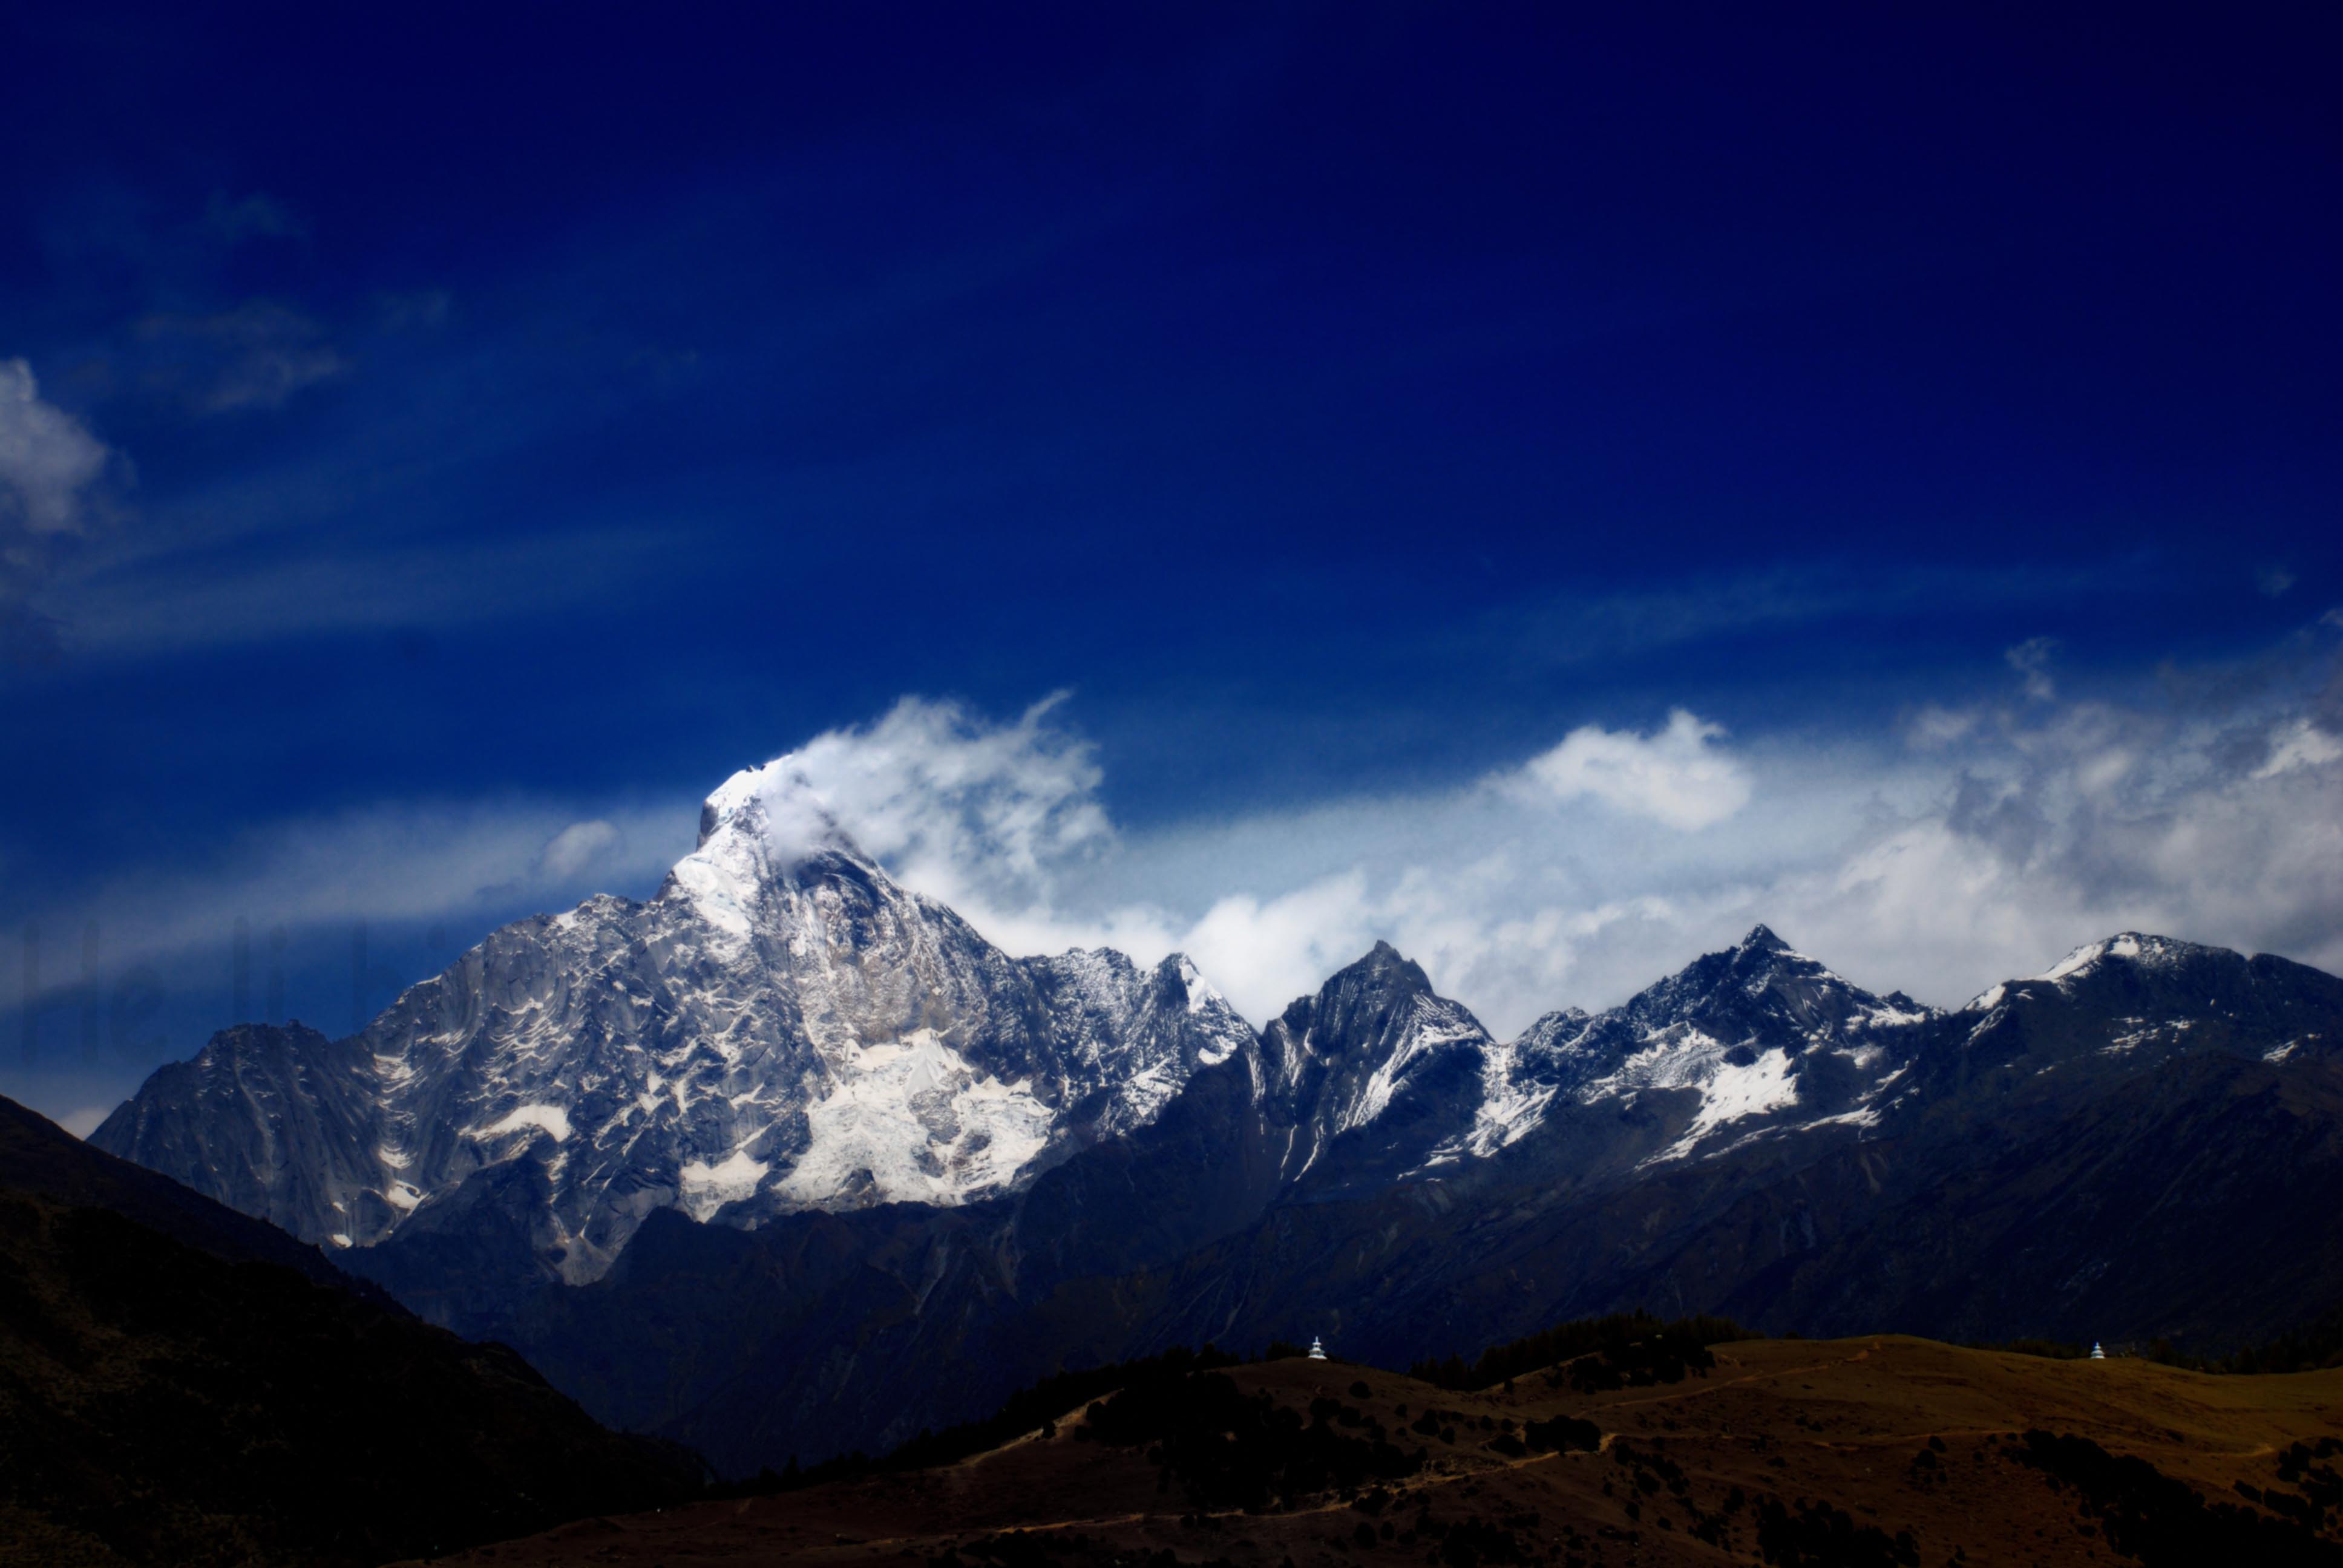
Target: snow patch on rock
{"type": "Point", "coordinates": [1735, 1093]}
{"type": "Point", "coordinates": [553, 1118]}
{"type": "Point", "coordinates": [1767, 1084]}
{"type": "Point", "coordinates": [707, 1188]}
{"type": "Point", "coordinates": [911, 1121]}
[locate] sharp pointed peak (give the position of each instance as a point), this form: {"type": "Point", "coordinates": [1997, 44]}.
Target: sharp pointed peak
{"type": "Point", "coordinates": [764, 828]}
{"type": "Point", "coordinates": [1381, 968]}
{"type": "Point", "coordinates": [1185, 969]}
{"type": "Point", "coordinates": [1761, 939]}
{"type": "Point", "coordinates": [1384, 959]}
{"type": "Point", "coordinates": [779, 805]}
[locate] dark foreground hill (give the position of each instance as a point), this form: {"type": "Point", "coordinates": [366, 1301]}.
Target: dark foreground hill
{"type": "Point", "coordinates": [1889, 1452]}
{"type": "Point", "coordinates": [181, 1384]}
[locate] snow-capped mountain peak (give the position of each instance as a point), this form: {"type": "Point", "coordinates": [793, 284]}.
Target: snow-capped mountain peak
{"type": "Point", "coordinates": [782, 1027]}
{"type": "Point", "coordinates": [1375, 1069]}
{"type": "Point", "coordinates": [2135, 952]}
{"type": "Point", "coordinates": [757, 829]}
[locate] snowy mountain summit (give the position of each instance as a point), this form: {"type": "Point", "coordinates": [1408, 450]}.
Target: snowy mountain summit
{"type": "Point", "coordinates": [1751, 1038]}
{"type": "Point", "coordinates": [781, 1027]}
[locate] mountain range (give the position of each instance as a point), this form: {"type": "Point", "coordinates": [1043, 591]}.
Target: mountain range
{"type": "Point", "coordinates": [787, 1159]}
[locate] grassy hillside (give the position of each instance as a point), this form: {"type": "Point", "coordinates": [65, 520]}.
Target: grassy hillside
{"type": "Point", "coordinates": [1880, 1451]}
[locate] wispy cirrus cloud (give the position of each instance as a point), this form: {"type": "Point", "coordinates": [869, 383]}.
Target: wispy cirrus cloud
{"type": "Point", "coordinates": [158, 600]}
{"type": "Point", "coordinates": [450, 864]}
{"type": "Point", "coordinates": [253, 356]}
{"type": "Point", "coordinates": [1567, 630]}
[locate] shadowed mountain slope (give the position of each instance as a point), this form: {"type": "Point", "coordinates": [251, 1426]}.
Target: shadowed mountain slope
{"type": "Point", "coordinates": [180, 1384]}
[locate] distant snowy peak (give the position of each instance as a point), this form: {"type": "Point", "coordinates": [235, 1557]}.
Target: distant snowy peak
{"type": "Point", "coordinates": [1137, 1035]}
{"type": "Point", "coordinates": [1755, 1033]}
{"type": "Point", "coordinates": [777, 801]}
{"type": "Point", "coordinates": [1760, 994]}
{"type": "Point", "coordinates": [1758, 1035]}
{"type": "Point", "coordinates": [2130, 949]}
{"type": "Point", "coordinates": [2131, 1002]}
{"type": "Point", "coordinates": [1372, 1073]}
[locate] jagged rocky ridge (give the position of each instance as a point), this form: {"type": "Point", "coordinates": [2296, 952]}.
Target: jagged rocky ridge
{"type": "Point", "coordinates": [2022, 1166]}
{"type": "Point", "coordinates": [853, 1170]}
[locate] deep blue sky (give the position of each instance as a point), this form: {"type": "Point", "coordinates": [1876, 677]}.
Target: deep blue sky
{"type": "Point", "coordinates": [561, 401]}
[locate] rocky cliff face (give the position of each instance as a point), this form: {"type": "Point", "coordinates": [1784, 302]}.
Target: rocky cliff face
{"type": "Point", "coordinates": [1372, 1075]}
{"type": "Point", "coordinates": [780, 1028]}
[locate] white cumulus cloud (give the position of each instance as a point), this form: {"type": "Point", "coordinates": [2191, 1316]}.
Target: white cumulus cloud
{"type": "Point", "coordinates": [1678, 776]}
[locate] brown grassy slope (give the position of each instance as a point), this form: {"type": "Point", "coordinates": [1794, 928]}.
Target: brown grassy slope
{"type": "Point", "coordinates": [1843, 1422]}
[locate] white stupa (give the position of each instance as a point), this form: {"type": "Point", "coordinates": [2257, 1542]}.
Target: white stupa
{"type": "Point", "coordinates": [2097, 1354]}
{"type": "Point", "coordinates": [1317, 1351]}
